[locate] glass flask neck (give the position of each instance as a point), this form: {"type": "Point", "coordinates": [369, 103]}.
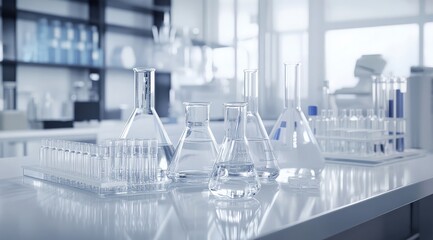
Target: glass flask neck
{"type": "Point", "coordinates": [196, 113]}
{"type": "Point", "coordinates": [251, 90]}
{"type": "Point", "coordinates": [235, 120]}
{"type": "Point", "coordinates": [292, 77]}
{"type": "Point", "coordinates": [144, 84]}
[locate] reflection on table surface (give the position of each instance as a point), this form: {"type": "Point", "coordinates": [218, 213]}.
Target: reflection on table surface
{"type": "Point", "coordinates": [35, 209]}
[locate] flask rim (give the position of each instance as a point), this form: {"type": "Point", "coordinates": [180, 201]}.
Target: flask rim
{"type": "Point", "coordinates": [143, 69]}
{"type": "Point", "coordinates": [235, 104]}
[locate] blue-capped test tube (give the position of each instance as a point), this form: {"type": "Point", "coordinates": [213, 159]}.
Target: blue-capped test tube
{"type": "Point", "coordinates": [391, 110]}
{"type": "Point", "coordinates": [400, 121]}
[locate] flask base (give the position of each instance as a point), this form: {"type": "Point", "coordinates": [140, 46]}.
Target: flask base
{"type": "Point", "coordinates": [234, 181]}
{"type": "Point", "coordinates": [300, 178]}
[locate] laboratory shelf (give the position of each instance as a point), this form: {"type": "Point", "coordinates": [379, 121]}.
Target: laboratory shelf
{"type": "Point", "coordinates": [129, 70]}
{"type": "Point", "coordinates": [35, 16]}
{"type": "Point", "coordinates": [129, 30]}
{"type": "Point", "coordinates": [11, 14]}
{"type": "Point", "coordinates": [52, 65]}
{"type": "Point", "coordinates": [136, 6]}
{"type": "Point", "coordinates": [198, 42]}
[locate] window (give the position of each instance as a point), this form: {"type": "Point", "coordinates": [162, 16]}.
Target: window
{"type": "Point", "coordinates": [294, 48]}
{"type": "Point", "coordinates": [398, 45]}
{"type": "Point", "coordinates": [429, 6]}
{"type": "Point", "coordinates": [290, 15]}
{"type": "Point", "coordinates": [343, 10]}
{"type": "Point", "coordinates": [428, 44]}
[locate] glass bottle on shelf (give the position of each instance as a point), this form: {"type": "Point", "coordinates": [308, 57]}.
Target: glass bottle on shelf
{"type": "Point", "coordinates": [68, 44]}
{"type": "Point", "coordinates": [261, 150]}
{"type": "Point", "coordinates": [144, 122]}
{"type": "Point", "coordinates": [196, 151]}
{"type": "Point", "coordinates": [233, 175]}
{"type": "Point", "coordinates": [83, 45]}
{"type": "Point", "coordinates": [43, 40]}
{"type": "Point", "coordinates": [55, 53]}
{"type": "Point", "coordinates": [94, 45]}
{"type": "Point", "coordinates": [296, 147]}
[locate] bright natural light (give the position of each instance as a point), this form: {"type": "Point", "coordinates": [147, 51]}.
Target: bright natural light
{"type": "Point", "coordinates": [428, 44]}
{"type": "Point", "coordinates": [398, 45]}
{"type": "Point", "coordinates": [343, 10]}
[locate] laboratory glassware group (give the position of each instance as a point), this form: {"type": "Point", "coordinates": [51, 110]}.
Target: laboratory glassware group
{"type": "Point", "coordinates": [379, 131]}
{"type": "Point", "coordinates": [246, 158]}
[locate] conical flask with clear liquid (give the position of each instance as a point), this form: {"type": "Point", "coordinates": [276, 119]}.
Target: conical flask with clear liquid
{"type": "Point", "coordinates": [261, 150]}
{"type": "Point", "coordinates": [144, 122]}
{"type": "Point", "coordinates": [233, 175]}
{"type": "Point", "coordinates": [196, 151]}
{"type": "Point", "coordinates": [293, 141]}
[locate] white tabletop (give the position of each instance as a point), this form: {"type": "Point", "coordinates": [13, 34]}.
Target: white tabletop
{"type": "Point", "coordinates": [349, 195]}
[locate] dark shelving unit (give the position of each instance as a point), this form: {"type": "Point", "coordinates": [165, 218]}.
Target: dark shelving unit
{"type": "Point", "coordinates": [129, 30]}
{"type": "Point", "coordinates": [34, 16]}
{"type": "Point", "coordinates": [136, 7]}
{"type": "Point", "coordinates": [51, 65]}
{"type": "Point", "coordinates": [10, 14]}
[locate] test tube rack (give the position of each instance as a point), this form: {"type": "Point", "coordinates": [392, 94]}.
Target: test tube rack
{"type": "Point", "coordinates": [363, 145]}
{"type": "Point", "coordinates": [120, 167]}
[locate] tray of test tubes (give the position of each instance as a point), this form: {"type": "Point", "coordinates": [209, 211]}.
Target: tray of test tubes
{"type": "Point", "coordinates": [360, 138]}
{"type": "Point", "coordinates": [118, 167]}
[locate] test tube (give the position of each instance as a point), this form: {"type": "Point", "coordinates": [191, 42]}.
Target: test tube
{"type": "Point", "coordinates": [131, 161]}
{"type": "Point", "coordinates": [109, 143]}
{"type": "Point", "coordinates": [400, 121]}
{"type": "Point", "coordinates": [152, 157]}
{"type": "Point", "coordinates": [78, 158]}
{"type": "Point", "coordinates": [371, 126]}
{"type": "Point", "coordinates": [392, 95]}
{"type": "Point", "coordinates": [384, 126]}
{"type": "Point", "coordinates": [104, 162]}
{"type": "Point", "coordinates": [380, 93]}
{"type": "Point", "coordinates": [60, 155]}
{"type": "Point", "coordinates": [323, 130]}
{"type": "Point", "coordinates": [344, 125]}
{"type": "Point", "coordinates": [333, 125]}
{"type": "Point", "coordinates": [118, 157]}
{"type": "Point", "coordinates": [67, 156]}
{"type": "Point", "coordinates": [43, 152]}
{"type": "Point", "coordinates": [139, 155]}
{"type": "Point", "coordinates": [353, 124]}
{"type": "Point", "coordinates": [53, 153]}
{"type": "Point", "coordinates": [93, 161]}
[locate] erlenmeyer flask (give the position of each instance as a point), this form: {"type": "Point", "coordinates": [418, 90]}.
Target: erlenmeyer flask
{"type": "Point", "coordinates": [196, 151]}
{"type": "Point", "coordinates": [261, 151]}
{"type": "Point", "coordinates": [233, 175]}
{"type": "Point", "coordinates": [293, 141]}
{"type": "Point", "coordinates": [144, 122]}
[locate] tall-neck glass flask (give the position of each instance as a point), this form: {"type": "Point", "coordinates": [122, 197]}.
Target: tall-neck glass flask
{"type": "Point", "coordinates": [233, 175]}
{"type": "Point", "coordinates": [144, 122]}
{"type": "Point", "coordinates": [261, 150]}
{"type": "Point", "coordinates": [293, 141]}
{"type": "Point", "coordinates": [196, 151]}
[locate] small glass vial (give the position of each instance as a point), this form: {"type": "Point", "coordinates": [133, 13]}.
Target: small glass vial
{"type": "Point", "coordinates": [312, 118]}
{"type": "Point", "coordinates": [233, 175]}
{"type": "Point", "coordinates": [196, 151]}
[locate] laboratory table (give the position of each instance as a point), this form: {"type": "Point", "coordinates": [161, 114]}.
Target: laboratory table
{"type": "Point", "coordinates": [349, 195]}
